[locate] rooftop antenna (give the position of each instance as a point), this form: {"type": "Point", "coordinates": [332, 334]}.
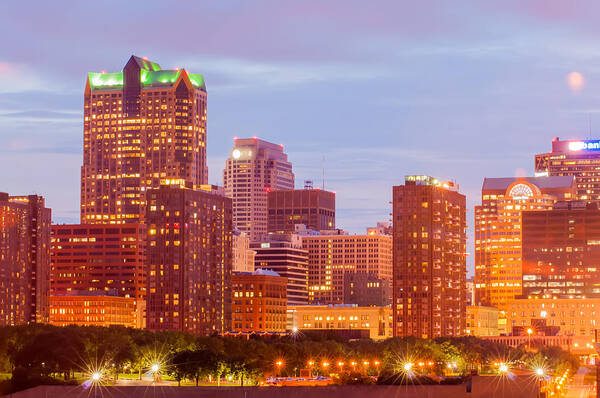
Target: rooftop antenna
{"type": "Point", "coordinates": [590, 123]}
{"type": "Point", "coordinates": [323, 165]}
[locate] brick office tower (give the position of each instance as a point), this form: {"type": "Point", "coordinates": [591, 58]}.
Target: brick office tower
{"type": "Point", "coordinates": [254, 168]}
{"type": "Point", "coordinates": [430, 272]}
{"type": "Point", "coordinates": [102, 262]}
{"type": "Point", "coordinates": [561, 248]}
{"type": "Point", "coordinates": [577, 158]}
{"type": "Point", "coordinates": [314, 208]}
{"type": "Point", "coordinates": [24, 259]}
{"type": "Point", "coordinates": [189, 257]}
{"type": "Point", "coordinates": [143, 127]}
{"type": "Point", "coordinates": [498, 229]}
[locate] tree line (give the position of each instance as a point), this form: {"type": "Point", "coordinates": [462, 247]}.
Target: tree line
{"type": "Point", "coordinates": [43, 354]}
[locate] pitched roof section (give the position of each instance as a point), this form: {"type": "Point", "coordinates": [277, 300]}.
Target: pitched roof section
{"type": "Point", "coordinates": [552, 182]}
{"type": "Point", "coordinates": [151, 75]}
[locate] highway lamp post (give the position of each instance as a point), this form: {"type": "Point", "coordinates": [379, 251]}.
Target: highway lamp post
{"type": "Point", "coordinates": [529, 332]}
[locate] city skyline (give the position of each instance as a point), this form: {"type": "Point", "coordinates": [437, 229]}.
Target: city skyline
{"type": "Point", "coordinates": [259, 83]}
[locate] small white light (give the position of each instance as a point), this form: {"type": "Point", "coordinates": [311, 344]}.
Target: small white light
{"type": "Point", "coordinates": [96, 376]}
{"type": "Point", "coordinates": [155, 368]}
{"type": "Point", "coordinates": [236, 154]}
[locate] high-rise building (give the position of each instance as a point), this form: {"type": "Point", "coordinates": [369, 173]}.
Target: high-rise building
{"type": "Point", "coordinates": [24, 259]}
{"type": "Point", "coordinates": [482, 321]}
{"type": "Point", "coordinates": [254, 168]}
{"type": "Point", "coordinates": [314, 208]}
{"type": "Point", "coordinates": [90, 309]}
{"type": "Point", "coordinates": [561, 248]}
{"type": "Point", "coordinates": [189, 261]}
{"type": "Point", "coordinates": [429, 222]}
{"type": "Point", "coordinates": [283, 254]}
{"type": "Point", "coordinates": [330, 257]}
{"type": "Point", "coordinates": [498, 262]}
{"type": "Point", "coordinates": [243, 256]}
{"type": "Point", "coordinates": [142, 128]}
{"type": "Point", "coordinates": [577, 158]}
{"type": "Point", "coordinates": [259, 302]}
{"type": "Point", "coordinates": [101, 261]}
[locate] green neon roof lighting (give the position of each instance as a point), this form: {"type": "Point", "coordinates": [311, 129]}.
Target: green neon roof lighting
{"type": "Point", "coordinates": [102, 80]}
{"type": "Point", "coordinates": [196, 79]}
{"type": "Point", "coordinates": [167, 77]}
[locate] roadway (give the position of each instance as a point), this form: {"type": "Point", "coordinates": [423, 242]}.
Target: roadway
{"type": "Point", "coordinates": [577, 389]}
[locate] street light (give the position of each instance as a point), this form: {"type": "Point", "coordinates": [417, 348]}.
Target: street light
{"type": "Point", "coordinates": [503, 368]}
{"type": "Point", "coordinates": [96, 376]}
{"type": "Point", "coordinates": [529, 332]}
{"type": "Point", "coordinates": [408, 366]}
{"type": "Point", "coordinates": [155, 367]}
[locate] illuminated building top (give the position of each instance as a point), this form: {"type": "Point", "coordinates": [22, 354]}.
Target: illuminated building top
{"type": "Point", "coordinates": [428, 180]}
{"type": "Point", "coordinates": [151, 75]}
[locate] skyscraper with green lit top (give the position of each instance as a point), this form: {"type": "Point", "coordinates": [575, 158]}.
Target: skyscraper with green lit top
{"type": "Point", "coordinates": [143, 127]}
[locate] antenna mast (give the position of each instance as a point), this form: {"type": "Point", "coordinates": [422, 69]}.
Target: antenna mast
{"type": "Point", "coordinates": [323, 165]}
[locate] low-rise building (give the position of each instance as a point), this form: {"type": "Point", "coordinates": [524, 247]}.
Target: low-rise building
{"type": "Point", "coordinates": [482, 321]}
{"type": "Point", "coordinates": [376, 320]}
{"type": "Point", "coordinates": [259, 302]}
{"type": "Point", "coordinates": [93, 310]}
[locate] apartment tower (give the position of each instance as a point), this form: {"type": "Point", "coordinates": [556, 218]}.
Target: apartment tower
{"type": "Point", "coordinates": [429, 226]}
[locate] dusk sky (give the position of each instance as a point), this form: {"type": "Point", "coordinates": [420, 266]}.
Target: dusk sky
{"type": "Point", "coordinates": [381, 89]}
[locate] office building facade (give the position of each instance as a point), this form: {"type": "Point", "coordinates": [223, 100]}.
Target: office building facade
{"type": "Point", "coordinates": [254, 168]}
{"type": "Point", "coordinates": [314, 208]}
{"type": "Point", "coordinates": [575, 158]}
{"type": "Point", "coordinates": [284, 255]}
{"type": "Point", "coordinates": [330, 257]}
{"type": "Point", "coordinates": [143, 127]}
{"type": "Point", "coordinates": [99, 260]}
{"type": "Point", "coordinates": [561, 248]}
{"type": "Point", "coordinates": [498, 245]}
{"type": "Point", "coordinates": [429, 283]}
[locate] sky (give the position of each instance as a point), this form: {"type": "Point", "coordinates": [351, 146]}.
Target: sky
{"type": "Point", "coordinates": [378, 89]}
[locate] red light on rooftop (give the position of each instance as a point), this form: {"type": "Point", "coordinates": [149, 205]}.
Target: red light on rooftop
{"type": "Point", "coordinates": [145, 58]}
{"type": "Point", "coordinates": [254, 137]}
{"type": "Point", "coordinates": [281, 145]}
{"type": "Point", "coordinates": [268, 189]}
{"type": "Point", "coordinates": [176, 68]}
{"type": "Point", "coordinates": [235, 138]}
{"type": "Point", "coordinates": [103, 71]}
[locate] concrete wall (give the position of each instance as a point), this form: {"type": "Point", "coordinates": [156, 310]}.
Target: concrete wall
{"type": "Point", "coordinates": [483, 387]}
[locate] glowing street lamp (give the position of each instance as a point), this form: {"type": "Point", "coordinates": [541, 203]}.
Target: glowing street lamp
{"type": "Point", "coordinates": [340, 364]}
{"type": "Point", "coordinates": [311, 364]}
{"type": "Point", "coordinates": [376, 362]}
{"type": "Point", "coordinates": [503, 368]}
{"type": "Point", "coordinates": [529, 333]}
{"type": "Point", "coordinates": [540, 372]}
{"type": "Point", "coordinates": [408, 366]}
{"type": "Point", "coordinates": [155, 368]}
{"type": "Point", "coordinates": [325, 364]}
{"type": "Point", "coordinates": [96, 376]}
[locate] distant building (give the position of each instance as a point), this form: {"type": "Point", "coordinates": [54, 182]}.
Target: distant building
{"type": "Point", "coordinates": [254, 168]}
{"type": "Point", "coordinates": [315, 208]}
{"type": "Point", "coordinates": [367, 289]}
{"type": "Point", "coordinates": [283, 254]}
{"type": "Point", "coordinates": [498, 261]}
{"type": "Point", "coordinates": [561, 248]}
{"type": "Point", "coordinates": [429, 219]}
{"type": "Point", "coordinates": [344, 318]}
{"type": "Point", "coordinates": [470, 296]}
{"type": "Point", "coordinates": [576, 158]}
{"type": "Point", "coordinates": [24, 259]}
{"type": "Point", "coordinates": [571, 317]}
{"type": "Point", "coordinates": [93, 310]}
{"type": "Point", "coordinates": [243, 256]}
{"type": "Point", "coordinates": [189, 261]}
{"type": "Point", "coordinates": [482, 321]}
{"type": "Point", "coordinates": [143, 127]}
{"type": "Point", "coordinates": [382, 228]}
{"type": "Point", "coordinates": [99, 260]}
{"type": "Point", "coordinates": [331, 256]}
{"type": "Point", "coordinates": [259, 302]}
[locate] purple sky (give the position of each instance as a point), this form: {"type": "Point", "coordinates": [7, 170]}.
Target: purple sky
{"type": "Point", "coordinates": [380, 89]}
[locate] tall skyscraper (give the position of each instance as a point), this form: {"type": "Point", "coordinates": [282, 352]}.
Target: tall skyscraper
{"type": "Point", "coordinates": [24, 259]}
{"type": "Point", "coordinates": [189, 261]}
{"type": "Point", "coordinates": [498, 261]}
{"type": "Point", "coordinates": [254, 168]}
{"type": "Point", "coordinates": [143, 127]}
{"type": "Point", "coordinates": [315, 208]}
{"type": "Point", "coordinates": [99, 261]}
{"type": "Point", "coordinates": [243, 256]}
{"type": "Point", "coordinates": [430, 270]}
{"type": "Point", "coordinates": [330, 257]}
{"type": "Point", "coordinates": [561, 248]}
{"type": "Point", "coordinates": [577, 158]}
{"type": "Point", "coordinates": [284, 255]}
